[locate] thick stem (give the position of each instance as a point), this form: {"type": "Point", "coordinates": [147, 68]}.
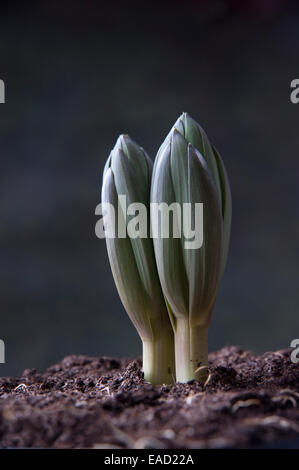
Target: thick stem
{"type": "Point", "coordinates": [191, 351]}
{"type": "Point", "coordinates": [158, 358]}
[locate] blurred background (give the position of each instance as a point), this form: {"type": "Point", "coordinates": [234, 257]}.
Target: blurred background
{"type": "Point", "coordinates": [79, 73]}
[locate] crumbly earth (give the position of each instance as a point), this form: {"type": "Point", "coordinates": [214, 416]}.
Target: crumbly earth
{"type": "Point", "coordinates": [84, 402]}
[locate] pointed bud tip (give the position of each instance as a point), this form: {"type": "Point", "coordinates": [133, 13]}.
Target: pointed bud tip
{"type": "Point", "coordinates": [188, 116]}
{"type": "Point", "coordinates": [121, 142]}
{"type": "Point", "coordinates": [121, 138]}
{"type": "Point", "coordinates": [126, 138]}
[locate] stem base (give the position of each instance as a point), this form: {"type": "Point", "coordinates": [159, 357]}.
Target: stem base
{"type": "Point", "coordinates": [191, 352]}
{"type": "Point", "coordinates": [158, 359]}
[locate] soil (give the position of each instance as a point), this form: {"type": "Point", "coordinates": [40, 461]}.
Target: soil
{"type": "Point", "coordinates": [83, 402]}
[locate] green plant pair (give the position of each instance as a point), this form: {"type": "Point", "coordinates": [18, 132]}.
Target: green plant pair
{"type": "Point", "coordinates": [167, 285]}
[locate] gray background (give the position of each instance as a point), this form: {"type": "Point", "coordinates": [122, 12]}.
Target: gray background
{"type": "Point", "coordinates": [77, 75]}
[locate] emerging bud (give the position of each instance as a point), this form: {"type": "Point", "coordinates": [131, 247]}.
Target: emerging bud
{"type": "Point", "coordinates": [188, 169]}
{"type": "Point", "coordinates": [127, 174]}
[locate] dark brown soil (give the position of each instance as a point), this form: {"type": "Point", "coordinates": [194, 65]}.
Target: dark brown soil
{"type": "Point", "coordinates": [105, 402]}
